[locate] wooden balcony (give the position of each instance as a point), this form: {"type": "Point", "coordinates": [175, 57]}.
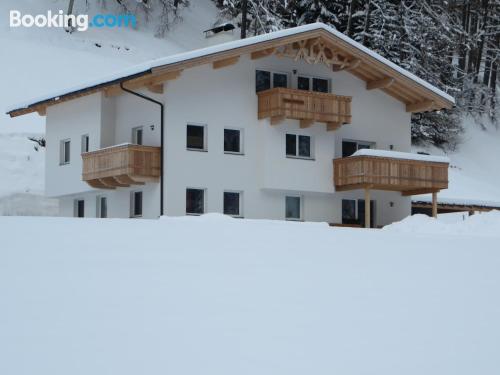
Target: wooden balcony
{"type": "Point", "coordinates": [410, 177]}
{"type": "Point", "coordinates": [307, 106]}
{"type": "Point", "coordinates": [121, 166]}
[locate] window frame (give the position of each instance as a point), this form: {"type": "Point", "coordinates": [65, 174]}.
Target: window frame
{"type": "Point", "coordinates": [241, 139]}
{"type": "Point", "coordinates": [62, 151]}
{"type": "Point", "coordinates": [98, 211]}
{"type": "Point", "coordinates": [133, 204]}
{"type": "Point", "coordinates": [205, 137]}
{"type": "Point", "coordinates": [85, 143]}
{"type": "Point", "coordinates": [135, 131]}
{"type": "Point", "coordinates": [240, 214]}
{"type": "Point", "coordinates": [301, 207]}
{"type": "Point", "coordinates": [297, 147]}
{"type": "Point", "coordinates": [271, 82]}
{"type": "Point", "coordinates": [311, 83]}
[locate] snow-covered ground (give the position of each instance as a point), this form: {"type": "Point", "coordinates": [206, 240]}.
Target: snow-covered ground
{"type": "Point", "coordinates": [215, 295]}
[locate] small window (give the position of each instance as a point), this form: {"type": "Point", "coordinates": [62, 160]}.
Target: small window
{"type": "Point", "coordinates": [85, 143]}
{"type": "Point", "coordinates": [265, 80]}
{"type": "Point", "coordinates": [102, 207]}
{"type": "Point", "coordinates": [232, 203]}
{"type": "Point", "coordinates": [320, 85]}
{"type": "Point", "coordinates": [303, 83]}
{"type": "Point", "coordinates": [262, 80]}
{"type": "Point", "coordinates": [298, 146]}
{"type": "Point", "coordinates": [136, 204]}
{"type": "Point", "coordinates": [65, 152]}
{"type": "Point", "coordinates": [137, 135]}
{"type": "Point", "coordinates": [280, 80]}
{"type": "Point", "coordinates": [195, 201]}
{"type": "Point", "coordinates": [195, 138]}
{"type": "Point", "coordinates": [350, 147]}
{"type": "Point", "coordinates": [232, 141]}
{"type": "Point", "coordinates": [314, 84]}
{"type": "Point", "coordinates": [292, 208]}
{"type": "Point", "coordinates": [79, 208]}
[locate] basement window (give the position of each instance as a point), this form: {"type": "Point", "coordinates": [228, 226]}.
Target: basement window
{"type": "Point", "coordinates": [232, 203]}
{"type": "Point", "coordinates": [79, 208]}
{"type": "Point", "coordinates": [293, 209]}
{"type": "Point", "coordinates": [195, 201]}
{"type": "Point", "coordinates": [136, 204]}
{"type": "Point", "coordinates": [65, 152]}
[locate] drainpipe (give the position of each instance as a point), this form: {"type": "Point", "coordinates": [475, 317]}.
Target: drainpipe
{"type": "Point", "coordinates": [162, 110]}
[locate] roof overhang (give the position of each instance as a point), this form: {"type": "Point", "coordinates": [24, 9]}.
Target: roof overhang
{"type": "Point", "coordinates": [378, 72]}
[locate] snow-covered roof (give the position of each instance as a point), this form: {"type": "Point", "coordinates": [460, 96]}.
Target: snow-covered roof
{"type": "Point", "coordinates": [147, 67]}
{"type": "Point", "coordinates": [401, 155]}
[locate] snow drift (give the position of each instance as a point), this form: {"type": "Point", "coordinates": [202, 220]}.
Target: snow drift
{"type": "Point", "coordinates": [215, 295]}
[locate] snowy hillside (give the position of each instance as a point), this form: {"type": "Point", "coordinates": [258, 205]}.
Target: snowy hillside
{"type": "Point", "coordinates": [42, 60]}
{"type": "Point", "coordinates": [215, 295]}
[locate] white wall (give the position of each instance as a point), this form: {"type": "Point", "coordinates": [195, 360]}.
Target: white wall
{"type": "Point", "coordinates": [226, 98]}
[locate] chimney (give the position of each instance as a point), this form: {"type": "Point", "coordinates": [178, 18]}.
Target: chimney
{"type": "Point", "coordinates": [220, 34]}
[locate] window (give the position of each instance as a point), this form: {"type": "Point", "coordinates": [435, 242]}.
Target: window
{"type": "Point", "coordinates": [353, 212]}
{"type": "Point", "coordinates": [137, 135]}
{"type": "Point", "coordinates": [136, 204]}
{"type": "Point", "coordinates": [65, 151]}
{"type": "Point", "coordinates": [195, 138]}
{"type": "Point", "coordinates": [79, 208]}
{"type": "Point", "coordinates": [349, 211]}
{"type": "Point", "coordinates": [195, 201]}
{"type": "Point", "coordinates": [102, 207]}
{"type": "Point", "coordinates": [85, 143]}
{"type": "Point", "coordinates": [350, 147]}
{"type": "Point", "coordinates": [232, 141]}
{"type": "Point", "coordinates": [292, 208]}
{"type": "Point", "coordinates": [298, 146]}
{"type": "Point", "coordinates": [264, 80]}
{"type": "Point", "coordinates": [313, 83]}
{"type": "Point", "coordinates": [232, 203]}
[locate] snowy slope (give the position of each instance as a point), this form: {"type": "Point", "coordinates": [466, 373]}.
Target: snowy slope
{"type": "Point", "coordinates": [37, 61]}
{"type": "Point", "coordinates": [221, 296]}
{"type": "Point", "coordinates": [474, 176]}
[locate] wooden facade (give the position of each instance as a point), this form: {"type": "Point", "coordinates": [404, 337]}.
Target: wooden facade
{"type": "Point", "coordinates": [121, 166]}
{"type": "Point", "coordinates": [307, 106]}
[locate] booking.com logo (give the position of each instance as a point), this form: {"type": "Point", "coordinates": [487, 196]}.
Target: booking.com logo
{"type": "Point", "coordinates": [79, 22]}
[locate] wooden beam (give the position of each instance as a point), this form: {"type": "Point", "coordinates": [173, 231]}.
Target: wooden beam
{"type": "Point", "coordinates": [380, 84]}
{"type": "Point", "coordinates": [225, 62]}
{"type": "Point", "coordinates": [306, 123]}
{"type": "Point", "coordinates": [354, 64]}
{"type": "Point", "coordinates": [434, 205]}
{"type": "Point", "coordinates": [332, 126]}
{"type": "Point", "coordinates": [420, 106]}
{"type": "Point", "coordinates": [407, 193]}
{"type": "Point", "coordinates": [42, 111]}
{"type": "Point", "coordinates": [263, 53]}
{"type": "Point", "coordinates": [367, 208]}
{"type": "Point", "coordinates": [156, 89]}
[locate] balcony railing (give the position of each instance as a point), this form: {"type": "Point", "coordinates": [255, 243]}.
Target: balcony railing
{"type": "Point", "coordinates": [121, 166]}
{"type": "Point", "coordinates": [410, 177]}
{"type": "Point", "coordinates": [307, 106]}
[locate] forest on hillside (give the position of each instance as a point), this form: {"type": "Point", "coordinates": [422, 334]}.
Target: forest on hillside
{"type": "Point", "coordinates": [453, 44]}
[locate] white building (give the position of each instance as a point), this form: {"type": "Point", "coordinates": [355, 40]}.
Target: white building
{"type": "Point", "coordinates": [251, 128]}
